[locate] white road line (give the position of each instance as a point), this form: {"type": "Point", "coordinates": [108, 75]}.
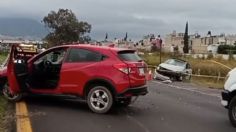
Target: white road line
{"type": "Point", "coordinates": [188, 89]}
{"type": "Point", "coordinates": [138, 123]}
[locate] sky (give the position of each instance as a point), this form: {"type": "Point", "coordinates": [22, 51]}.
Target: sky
{"type": "Point", "coordinates": [137, 17]}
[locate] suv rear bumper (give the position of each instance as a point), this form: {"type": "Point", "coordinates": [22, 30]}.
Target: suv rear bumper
{"type": "Point", "coordinates": [225, 98]}
{"type": "Point", "coordinates": [135, 91]}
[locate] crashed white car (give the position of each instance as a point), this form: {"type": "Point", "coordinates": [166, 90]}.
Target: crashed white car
{"type": "Point", "coordinates": [176, 69]}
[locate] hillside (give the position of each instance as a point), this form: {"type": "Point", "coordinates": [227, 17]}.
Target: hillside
{"type": "Point", "coordinates": [22, 27]}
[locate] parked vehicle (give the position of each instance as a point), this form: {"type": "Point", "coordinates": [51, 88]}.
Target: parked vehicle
{"type": "Point", "coordinates": [100, 75]}
{"type": "Point", "coordinates": [175, 69]}
{"type": "Point", "coordinates": [229, 96]}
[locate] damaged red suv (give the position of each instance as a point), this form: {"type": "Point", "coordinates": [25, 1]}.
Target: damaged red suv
{"type": "Point", "coordinates": [102, 76]}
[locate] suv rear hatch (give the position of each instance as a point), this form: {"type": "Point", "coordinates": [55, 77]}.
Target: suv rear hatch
{"type": "Point", "coordinates": [136, 67]}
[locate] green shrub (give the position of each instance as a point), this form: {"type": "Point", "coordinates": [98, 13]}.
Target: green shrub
{"type": "Point", "coordinates": [226, 49]}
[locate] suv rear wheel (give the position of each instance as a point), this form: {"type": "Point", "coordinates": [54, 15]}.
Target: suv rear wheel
{"type": "Point", "coordinates": [100, 99]}
{"type": "Point", "coordinates": [7, 94]}
{"type": "Point", "coordinates": [232, 111]}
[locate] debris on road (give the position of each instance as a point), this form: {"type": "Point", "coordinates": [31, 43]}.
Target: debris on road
{"type": "Point", "coordinates": [161, 77]}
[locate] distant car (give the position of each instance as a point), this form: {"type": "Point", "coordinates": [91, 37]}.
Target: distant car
{"type": "Point", "coordinates": [101, 76]}
{"type": "Point", "coordinates": [175, 69]}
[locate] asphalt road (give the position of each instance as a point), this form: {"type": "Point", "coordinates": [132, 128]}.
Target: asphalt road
{"type": "Point", "coordinates": [177, 107]}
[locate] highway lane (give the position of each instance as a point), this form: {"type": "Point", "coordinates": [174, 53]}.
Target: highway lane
{"type": "Point", "coordinates": [178, 107]}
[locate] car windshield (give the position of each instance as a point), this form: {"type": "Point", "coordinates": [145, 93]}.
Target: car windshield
{"type": "Point", "coordinates": [175, 62]}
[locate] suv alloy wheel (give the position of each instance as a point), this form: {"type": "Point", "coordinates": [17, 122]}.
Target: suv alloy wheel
{"type": "Point", "coordinates": [100, 99]}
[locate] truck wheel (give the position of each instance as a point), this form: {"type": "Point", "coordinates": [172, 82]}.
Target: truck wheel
{"type": "Point", "coordinates": [7, 94]}
{"type": "Point", "coordinates": [232, 111]}
{"type": "Point", "coordinates": [100, 99]}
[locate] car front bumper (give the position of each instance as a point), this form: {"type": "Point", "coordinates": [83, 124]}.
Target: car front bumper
{"type": "Point", "coordinates": [225, 98]}
{"type": "Point", "coordinates": [169, 72]}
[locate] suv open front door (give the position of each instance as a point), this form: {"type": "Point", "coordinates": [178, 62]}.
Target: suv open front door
{"type": "Point", "coordinates": [11, 77]}
{"type": "Point", "coordinates": [11, 89]}
{"type": "Point", "coordinates": [17, 70]}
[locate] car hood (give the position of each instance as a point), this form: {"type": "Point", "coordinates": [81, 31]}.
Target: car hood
{"type": "Point", "coordinates": [172, 67]}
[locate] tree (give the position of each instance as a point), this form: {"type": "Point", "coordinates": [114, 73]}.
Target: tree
{"type": "Point", "coordinates": [106, 37]}
{"type": "Point", "coordinates": [65, 28]}
{"type": "Point", "coordinates": [126, 37]}
{"type": "Point", "coordinates": [186, 47]}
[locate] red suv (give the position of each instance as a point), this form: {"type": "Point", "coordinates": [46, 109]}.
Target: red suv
{"type": "Point", "coordinates": [102, 76]}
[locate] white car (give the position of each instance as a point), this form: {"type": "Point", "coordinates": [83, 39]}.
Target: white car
{"type": "Point", "coordinates": [175, 69]}
{"type": "Point", "coordinates": [229, 96]}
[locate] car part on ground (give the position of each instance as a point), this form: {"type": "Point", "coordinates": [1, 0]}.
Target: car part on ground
{"type": "Point", "coordinates": [162, 78]}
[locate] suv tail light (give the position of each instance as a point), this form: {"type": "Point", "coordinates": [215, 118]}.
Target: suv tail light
{"type": "Point", "coordinates": [126, 68]}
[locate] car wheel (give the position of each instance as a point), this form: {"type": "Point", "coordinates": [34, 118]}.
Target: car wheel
{"type": "Point", "coordinates": [100, 99]}
{"type": "Point", "coordinates": [232, 111]}
{"type": "Point", "coordinates": [11, 97]}
{"type": "Point", "coordinates": [124, 102]}
{"type": "Point", "coordinates": [188, 77]}
{"type": "Point", "coordinates": [179, 78]}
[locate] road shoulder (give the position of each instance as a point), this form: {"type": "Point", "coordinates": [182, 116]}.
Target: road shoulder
{"type": "Point", "coordinates": [23, 123]}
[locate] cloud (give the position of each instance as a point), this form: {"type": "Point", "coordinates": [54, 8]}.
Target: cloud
{"type": "Point", "coordinates": [137, 17]}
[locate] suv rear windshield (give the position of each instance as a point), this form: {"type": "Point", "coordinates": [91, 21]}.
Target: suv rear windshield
{"type": "Point", "coordinates": [129, 56]}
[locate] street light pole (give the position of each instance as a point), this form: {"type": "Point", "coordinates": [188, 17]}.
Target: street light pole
{"type": "Point", "coordinates": [160, 52]}
{"type": "Point", "coordinates": [160, 44]}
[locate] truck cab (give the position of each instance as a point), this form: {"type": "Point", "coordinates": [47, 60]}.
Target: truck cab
{"type": "Point", "coordinates": [229, 96]}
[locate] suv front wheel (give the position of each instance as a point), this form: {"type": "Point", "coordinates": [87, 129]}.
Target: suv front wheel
{"type": "Point", "coordinates": [7, 94]}
{"type": "Point", "coordinates": [100, 99]}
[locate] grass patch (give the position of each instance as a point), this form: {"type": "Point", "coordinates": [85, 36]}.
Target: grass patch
{"type": "Point", "coordinates": [3, 104]}
{"type": "Point", "coordinates": [3, 101]}
{"type": "Point", "coordinates": [2, 57]}
{"type": "Point", "coordinates": [208, 82]}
